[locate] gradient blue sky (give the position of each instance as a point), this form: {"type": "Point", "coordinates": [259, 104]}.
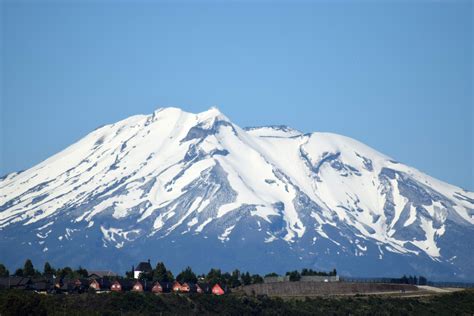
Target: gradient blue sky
{"type": "Point", "coordinates": [397, 76]}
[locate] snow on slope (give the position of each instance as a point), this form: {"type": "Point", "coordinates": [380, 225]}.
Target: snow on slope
{"type": "Point", "coordinates": [174, 172]}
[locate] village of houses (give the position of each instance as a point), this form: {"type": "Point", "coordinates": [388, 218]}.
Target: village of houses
{"type": "Point", "coordinates": [108, 281]}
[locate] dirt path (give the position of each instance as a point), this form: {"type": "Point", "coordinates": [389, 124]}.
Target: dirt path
{"type": "Point", "coordinates": [387, 294]}
{"type": "Point", "coordinates": [437, 289]}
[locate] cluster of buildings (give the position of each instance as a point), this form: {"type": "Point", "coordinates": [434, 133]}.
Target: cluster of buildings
{"type": "Point", "coordinates": [107, 281]}
{"type": "Point", "coordinates": [104, 285]}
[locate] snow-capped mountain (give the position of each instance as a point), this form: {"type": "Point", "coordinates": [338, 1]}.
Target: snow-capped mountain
{"type": "Point", "coordinates": [196, 189]}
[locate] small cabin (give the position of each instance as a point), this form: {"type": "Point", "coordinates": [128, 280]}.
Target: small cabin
{"type": "Point", "coordinates": [57, 284]}
{"type": "Point", "coordinates": [203, 288]}
{"type": "Point", "coordinates": [15, 282]}
{"type": "Point", "coordinates": [67, 285]}
{"type": "Point", "coordinates": [100, 285]}
{"type": "Point", "coordinates": [42, 285]}
{"type": "Point", "coordinates": [176, 286]}
{"type": "Point", "coordinates": [157, 288]}
{"type": "Point", "coordinates": [121, 286]}
{"type": "Point", "coordinates": [100, 274]}
{"type": "Point", "coordinates": [188, 287]}
{"type": "Point", "coordinates": [116, 286]}
{"type": "Point", "coordinates": [199, 289]}
{"type": "Point", "coordinates": [218, 290]}
{"type": "Point", "coordinates": [80, 285]}
{"type": "Point", "coordinates": [95, 285]}
{"type": "Point", "coordinates": [161, 287]}
{"type": "Point", "coordinates": [137, 287]}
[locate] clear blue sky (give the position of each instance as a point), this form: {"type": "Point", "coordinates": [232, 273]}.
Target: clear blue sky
{"type": "Point", "coordinates": [397, 76]}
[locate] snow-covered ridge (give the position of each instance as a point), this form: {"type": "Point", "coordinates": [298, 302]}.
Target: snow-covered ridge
{"type": "Point", "coordinates": [273, 131]}
{"type": "Point", "coordinates": [173, 173]}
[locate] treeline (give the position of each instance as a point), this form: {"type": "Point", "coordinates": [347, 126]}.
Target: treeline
{"type": "Point", "coordinates": [214, 276]}
{"type": "Point", "coordinates": [29, 270]}
{"type": "Point", "coordinates": [421, 280]}
{"type": "Point", "coordinates": [162, 274]}
{"type": "Point", "coordinates": [296, 275]}
{"type": "Point", "coordinates": [159, 273]}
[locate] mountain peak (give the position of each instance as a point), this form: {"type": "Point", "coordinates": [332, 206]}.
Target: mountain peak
{"type": "Point", "coordinates": [212, 112]}
{"type": "Point", "coordinates": [210, 117]}
{"type": "Point", "coordinates": [167, 110]}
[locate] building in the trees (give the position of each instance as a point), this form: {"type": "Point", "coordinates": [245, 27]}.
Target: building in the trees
{"type": "Point", "coordinates": [199, 289]}
{"type": "Point", "coordinates": [176, 286]}
{"type": "Point", "coordinates": [15, 282]}
{"type": "Point", "coordinates": [142, 267]}
{"type": "Point", "coordinates": [161, 287]}
{"type": "Point", "coordinates": [218, 290]}
{"type": "Point", "coordinates": [206, 288]}
{"type": "Point", "coordinates": [137, 287]}
{"type": "Point", "coordinates": [188, 287]}
{"type": "Point", "coordinates": [121, 286]}
{"type": "Point", "coordinates": [100, 285]}
{"type": "Point", "coordinates": [102, 274]}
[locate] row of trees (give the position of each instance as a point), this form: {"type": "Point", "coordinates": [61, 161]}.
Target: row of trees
{"type": "Point", "coordinates": [296, 275]}
{"type": "Point", "coordinates": [29, 270]}
{"type": "Point", "coordinates": [421, 280]}
{"type": "Point", "coordinates": [234, 279]}
{"type": "Point", "coordinates": [214, 276]}
{"type": "Point", "coordinates": [161, 273]}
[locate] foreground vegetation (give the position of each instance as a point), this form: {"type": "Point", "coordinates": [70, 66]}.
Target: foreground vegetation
{"type": "Point", "coordinates": [29, 303]}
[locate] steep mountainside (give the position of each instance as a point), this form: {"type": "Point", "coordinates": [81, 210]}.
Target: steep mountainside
{"type": "Point", "coordinates": [195, 189]}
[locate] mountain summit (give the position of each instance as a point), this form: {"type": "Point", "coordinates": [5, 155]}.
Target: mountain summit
{"type": "Point", "coordinates": [196, 189]}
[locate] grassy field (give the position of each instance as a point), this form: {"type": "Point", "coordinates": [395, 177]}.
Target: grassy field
{"type": "Point", "coordinates": [28, 303]}
{"type": "Point", "coordinates": [311, 289]}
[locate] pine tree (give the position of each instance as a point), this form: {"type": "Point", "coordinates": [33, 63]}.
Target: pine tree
{"type": "Point", "coordinates": [161, 274]}
{"type": "Point", "coordinates": [28, 269]}
{"type": "Point", "coordinates": [422, 280]}
{"type": "Point", "coordinates": [48, 270]}
{"type": "Point", "coordinates": [81, 272]}
{"type": "Point", "coordinates": [294, 275]}
{"type": "Point", "coordinates": [235, 279]}
{"type": "Point", "coordinates": [187, 275]}
{"type": "Point", "coordinates": [65, 272]}
{"type": "Point", "coordinates": [246, 278]}
{"type": "Point", "coordinates": [256, 279]}
{"type": "Point", "coordinates": [3, 271]}
{"type": "Point", "coordinates": [214, 276]}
